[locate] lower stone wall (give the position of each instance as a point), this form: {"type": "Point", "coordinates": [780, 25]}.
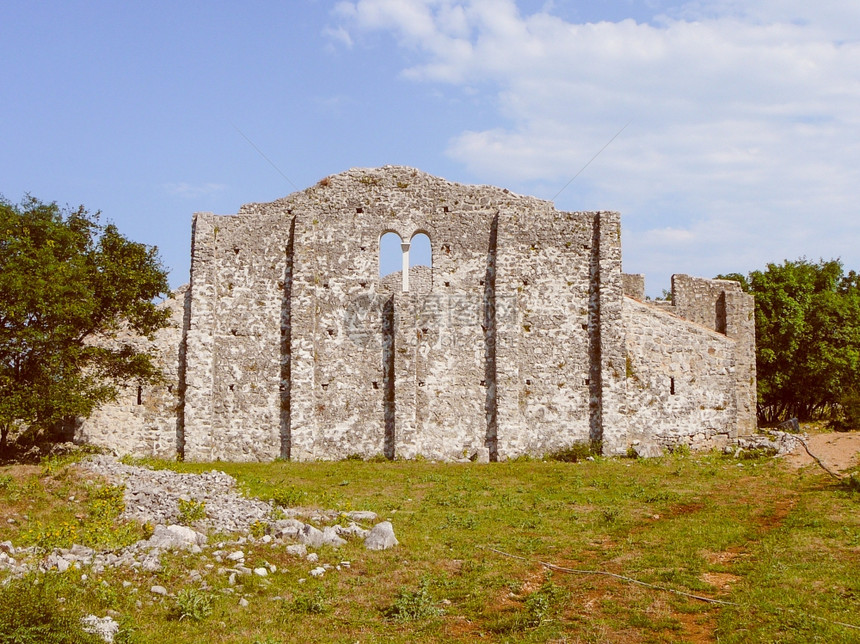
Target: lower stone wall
{"type": "Point", "coordinates": [680, 379]}
{"type": "Point", "coordinates": [147, 420]}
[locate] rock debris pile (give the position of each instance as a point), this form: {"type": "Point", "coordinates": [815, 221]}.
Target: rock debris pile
{"type": "Point", "coordinates": [153, 496]}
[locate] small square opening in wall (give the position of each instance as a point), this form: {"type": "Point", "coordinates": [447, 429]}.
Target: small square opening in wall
{"type": "Point", "coordinates": [325, 386]}
{"type": "Point", "coordinates": [375, 385]}
{"type": "Point", "coordinates": [231, 387]}
{"type": "Point", "coordinates": [672, 386]}
{"type": "Point", "coordinates": [359, 210]}
{"type": "Point", "coordinates": [587, 381]}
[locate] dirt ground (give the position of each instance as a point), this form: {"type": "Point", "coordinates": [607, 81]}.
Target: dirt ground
{"type": "Point", "coordinates": [840, 451]}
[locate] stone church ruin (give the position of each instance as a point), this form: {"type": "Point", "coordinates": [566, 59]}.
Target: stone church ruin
{"type": "Point", "coordinates": [524, 337]}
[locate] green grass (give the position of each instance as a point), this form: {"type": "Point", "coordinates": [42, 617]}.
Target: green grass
{"type": "Point", "coordinates": [783, 545]}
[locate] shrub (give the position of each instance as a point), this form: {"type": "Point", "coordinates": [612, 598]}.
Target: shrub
{"type": "Point", "coordinates": [848, 415]}
{"type": "Point", "coordinates": [30, 614]}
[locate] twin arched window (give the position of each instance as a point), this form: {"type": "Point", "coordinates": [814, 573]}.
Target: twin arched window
{"type": "Point", "coordinates": [392, 250]}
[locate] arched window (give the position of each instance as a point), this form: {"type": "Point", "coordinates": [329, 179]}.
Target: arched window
{"type": "Point", "coordinates": [420, 253]}
{"type": "Point", "coordinates": [390, 254]}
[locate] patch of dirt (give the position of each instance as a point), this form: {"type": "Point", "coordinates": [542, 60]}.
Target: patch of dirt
{"type": "Point", "coordinates": [839, 451]}
{"type": "Point", "coordinates": [721, 580]}
{"type": "Point", "coordinates": [725, 557]}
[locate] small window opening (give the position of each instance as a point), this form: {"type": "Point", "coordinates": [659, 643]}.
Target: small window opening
{"type": "Point", "coordinates": [672, 386]}
{"type": "Point", "coordinates": [325, 385]}
{"type": "Point", "coordinates": [359, 210]}
{"type": "Point", "coordinates": [375, 385]}
{"type": "Point", "coordinates": [420, 252]}
{"type": "Point", "coordinates": [390, 254]}
{"type": "Point", "coordinates": [231, 387]}
{"type": "Point", "coordinates": [170, 389]}
{"type": "Point", "coordinates": [139, 395]}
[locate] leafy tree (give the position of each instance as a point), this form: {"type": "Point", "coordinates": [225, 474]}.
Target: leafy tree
{"type": "Point", "coordinates": [807, 338]}
{"type": "Point", "coordinates": [68, 286]}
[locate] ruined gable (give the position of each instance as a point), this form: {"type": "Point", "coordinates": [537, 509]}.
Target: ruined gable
{"type": "Point", "coordinates": [515, 341]}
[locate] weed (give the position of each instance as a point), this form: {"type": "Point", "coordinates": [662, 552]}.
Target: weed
{"type": "Point", "coordinates": [413, 605]}
{"type": "Point", "coordinates": [851, 485]}
{"type": "Point", "coordinates": [259, 528]}
{"type": "Point", "coordinates": [681, 450]}
{"type": "Point", "coordinates": [192, 603]}
{"type": "Point", "coordinates": [313, 603]}
{"type": "Point", "coordinates": [7, 483]}
{"type": "Point", "coordinates": [576, 452]}
{"type": "Point", "coordinates": [31, 614]}
{"type": "Point", "coordinates": [289, 497]}
{"type": "Point", "coordinates": [610, 515]}
{"type": "Point", "coordinates": [191, 510]}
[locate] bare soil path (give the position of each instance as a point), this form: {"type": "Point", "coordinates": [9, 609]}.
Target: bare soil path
{"type": "Point", "coordinates": [840, 451]}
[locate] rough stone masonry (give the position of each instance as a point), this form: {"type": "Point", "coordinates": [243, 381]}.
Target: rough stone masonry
{"type": "Point", "coordinates": [523, 337]}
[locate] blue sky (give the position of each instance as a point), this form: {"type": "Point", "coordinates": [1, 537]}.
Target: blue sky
{"type": "Point", "coordinates": [741, 145]}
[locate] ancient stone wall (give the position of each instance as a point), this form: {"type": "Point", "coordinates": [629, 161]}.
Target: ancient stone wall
{"type": "Point", "coordinates": [679, 380]}
{"type": "Point", "coordinates": [634, 286]}
{"type": "Point", "coordinates": [146, 420]}
{"type": "Point", "coordinates": [517, 340]}
{"type": "Point", "coordinates": [722, 305]}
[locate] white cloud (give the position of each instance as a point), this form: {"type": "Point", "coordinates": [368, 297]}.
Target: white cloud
{"type": "Point", "coordinates": [744, 120]}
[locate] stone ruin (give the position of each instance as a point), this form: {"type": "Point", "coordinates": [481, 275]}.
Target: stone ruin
{"type": "Point", "coordinates": [523, 337]}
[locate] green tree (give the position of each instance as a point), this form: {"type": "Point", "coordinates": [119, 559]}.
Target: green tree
{"type": "Point", "coordinates": [68, 286]}
{"type": "Point", "coordinates": [807, 338]}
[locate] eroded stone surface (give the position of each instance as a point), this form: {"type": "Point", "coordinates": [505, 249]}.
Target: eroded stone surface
{"type": "Point", "coordinates": [518, 340]}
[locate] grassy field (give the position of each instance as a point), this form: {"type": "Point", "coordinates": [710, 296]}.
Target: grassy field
{"type": "Point", "coordinates": [781, 546]}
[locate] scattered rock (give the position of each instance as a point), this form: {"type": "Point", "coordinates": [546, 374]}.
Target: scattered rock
{"type": "Point", "coordinates": [158, 590]}
{"type": "Point", "coordinates": [297, 550]}
{"type": "Point", "coordinates": [261, 572]}
{"type": "Point", "coordinates": [243, 602]}
{"type": "Point", "coordinates": [361, 515]}
{"type": "Point", "coordinates": [104, 627]}
{"type": "Point", "coordinates": [174, 537]}
{"type": "Point", "coordinates": [317, 572]}
{"type": "Point", "coordinates": [311, 536]}
{"type": "Point", "coordinates": [647, 450]}
{"type": "Point", "coordinates": [381, 537]}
